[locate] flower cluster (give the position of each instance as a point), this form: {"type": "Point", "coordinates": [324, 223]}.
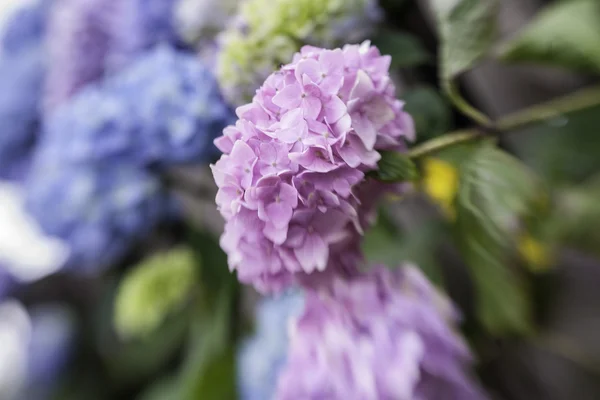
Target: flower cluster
{"type": "Point", "coordinates": [21, 81]}
{"type": "Point", "coordinates": [150, 113]}
{"type": "Point", "coordinates": [142, 25]}
{"type": "Point", "coordinates": [92, 166]}
{"type": "Point", "coordinates": [291, 179]}
{"type": "Point", "coordinates": [93, 38]}
{"type": "Point", "coordinates": [23, 25]}
{"type": "Point", "coordinates": [81, 39]}
{"type": "Point", "coordinates": [385, 334]}
{"type": "Point", "coordinates": [266, 33]}
{"type": "Point", "coordinates": [262, 357]}
{"type": "Point", "coordinates": [98, 210]}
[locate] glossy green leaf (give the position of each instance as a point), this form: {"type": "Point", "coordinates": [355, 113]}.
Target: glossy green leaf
{"type": "Point", "coordinates": [152, 290]}
{"type": "Point", "coordinates": [565, 34]}
{"type": "Point", "coordinates": [395, 167]}
{"type": "Point", "coordinates": [467, 29]}
{"type": "Point", "coordinates": [406, 50]}
{"type": "Point", "coordinates": [495, 192]}
{"type": "Point", "coordinates": [430, 111]}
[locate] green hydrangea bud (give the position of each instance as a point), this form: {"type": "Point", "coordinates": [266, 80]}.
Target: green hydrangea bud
{"type": "Point", "coordinates": [266, 34]}
{"type": "Point", "coordinates": [152, 290]}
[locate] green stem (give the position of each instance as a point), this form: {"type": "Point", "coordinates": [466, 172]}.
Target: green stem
{"type": "Point", "coordinates": [466, 108]}
{"type": "Point", "coordinates": [581, 100]}
{"type": "Point", "coordinates": [439, 143]}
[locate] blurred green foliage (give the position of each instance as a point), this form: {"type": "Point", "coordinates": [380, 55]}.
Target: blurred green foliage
{"type": "Point", "coordinates": [566, 34]}
{"type": "Point", "coordinates": [152, 290]}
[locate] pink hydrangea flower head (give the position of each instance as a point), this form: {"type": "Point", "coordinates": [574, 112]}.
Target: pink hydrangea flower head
{"type": "Point", "coordinates": [293, 165]}
{"type": "Point", "coordinates": [384, 334]}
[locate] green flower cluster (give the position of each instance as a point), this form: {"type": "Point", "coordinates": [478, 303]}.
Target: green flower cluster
{"type": "Point", "coordinates": [267, 33]}
{"type": "Point", "coordinates": [157, 287]}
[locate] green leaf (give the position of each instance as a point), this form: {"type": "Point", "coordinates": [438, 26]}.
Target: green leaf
{"type": "Point", "coordinates": [395, 167]}
{"type": "Point", "coordinates": [575, 217]}
{"type": "Point", "coordinates": [385, 243]}
{"type": "Point", "coordinates": [209, 370]}
{"type": "Point", "coordinates": [565, 34]}
{"type": "Point", "coordinates": [134, 361]}
{"type": "Point", "coordinates": [153, 290]}
{"type": "Point", "coordinates": [562, 150]}
{"type": "Point", "coordinates": [214, 272]}
{"type": "Point", "coordinates": [431, 112]}
{"type": "Point", "coordinates": [166, 388]}
{"type": "Point", "coordinates": [467, 29]}
{"type": "Point", "coordinates": [406, 50]}
{"type": "Point", "coordinates": [495, 193]}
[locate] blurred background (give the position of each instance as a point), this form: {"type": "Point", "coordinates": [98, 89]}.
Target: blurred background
{"type": "Point", "coordinates": [112, 281]}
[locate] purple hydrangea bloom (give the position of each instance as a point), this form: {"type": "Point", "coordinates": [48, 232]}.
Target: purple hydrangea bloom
{"type": "Point", "coordinates": [98, 209]}
{"type": "Point", "coordinates": [294, 164]}
{"type": "Point", "coordinates": [89, 39]}
{"type": "Point", "coordinates": [385, 334]}
{"type": "Point", "coordinates": [165, 108]}
{"type": "Point", "coordinates": [262, 356]}
{"type": "Point", "coordinates": [36, 348]}
{"type": "Point", "coordinates": [79, 39]}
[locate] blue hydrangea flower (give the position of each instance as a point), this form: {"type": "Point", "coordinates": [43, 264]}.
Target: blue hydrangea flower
{"type": "Point", "coordinates": [262, 356]}
{"type": "Point", "coordinates": [52, 334]}
{"type": "Point", "coordinates": [154, 22]}
{"type": "Point", "coordinates": [97, 209]}
{"type": "Point", "coordinates": [25, 26]}
{"type": "Point", "coordinates": [21, 80]}
{"type": "Point", "coordinates": [165, 108]}
{"type": "Point", "coordinates": [89, 39]}
{"type": "Point", "coordinates": [178, 103]}
{"type": "Point", "coordinates": [35, 348]}
{"type": "Point", "coordinates": [142, 25]}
